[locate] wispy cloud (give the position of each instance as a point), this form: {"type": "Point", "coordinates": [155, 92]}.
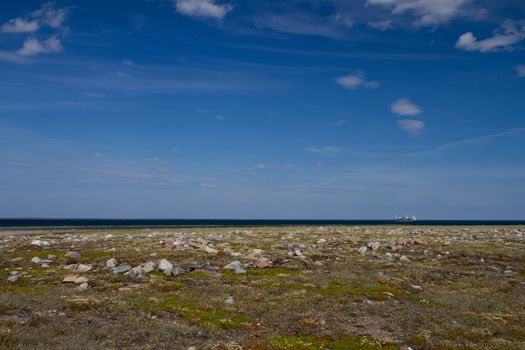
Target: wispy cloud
{"type": "Point", "coordinates": [301, 23]}
{"type": "Point", "coordinates": [202, 8]}
{"type": "Point", "coordinates": [341, 122]}
{"type": "Point", "coordinates": [355, 81]}
{"type": "Point", "coordinates": [504, 38]}
{"type": "Point", "coordinates": [412, 127]}
{"type": "Point", "coordinates": [20, 25]}
{"type": "Point", "coordinates": [404, 106]}
{"type": "Point", "coordinates": [327, 151]}
{"type": "Point", "coordinates": [381, 25]}
{"type": "Point", "coordinates": [428, 13]}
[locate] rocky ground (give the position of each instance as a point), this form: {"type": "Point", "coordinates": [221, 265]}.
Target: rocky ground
{"type": "Point", "coordinates": [337, 287]}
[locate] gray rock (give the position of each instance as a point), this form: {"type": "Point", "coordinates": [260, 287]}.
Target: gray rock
{"type": "Point", "coordinates": [74, 255]}
{"type": "Point", "coordinates": [83, 286]}
{"type": "Point", "coordinates": [136, 272]}
{"type": "Point", "coordinates": [404, 259]}
{"type": "Point", "coordinates": [236, 266]}
{"type": "Point", "coordinates": [12, 278]}
{"type": "Point", "coordinates": [122, 268]}
{"type": "Point", "coordinates": [373, 246]}
{"type": "Point", "coordinates": [149, 266]}
{"type": "Point", "coordinates": [229, 300]}
{"type": "Point", "coordinates": [36, 260]}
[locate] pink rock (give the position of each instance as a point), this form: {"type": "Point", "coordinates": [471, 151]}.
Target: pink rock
{"type": "Point", "coordinates": [70, 279]}
{"type": "Point", "coordinates": [262, 263]}
{"type": "Point", "coordinates": [169, 244]}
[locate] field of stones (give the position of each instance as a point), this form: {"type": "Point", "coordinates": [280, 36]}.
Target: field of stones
{"type": "Point", "coordinates": [333, 287]}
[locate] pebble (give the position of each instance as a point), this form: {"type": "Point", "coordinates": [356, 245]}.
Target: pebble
{"type": "Point", "coordinates": [210, 250]}
{"type": "Point", "coordinates": [81, 279]}
{"type": "Point", "coordinates": [148, 266]}
{"type": "Point", "coordinates": [36, 260]}
{"type": "Point", "coordinates": [136, 272]}
{"type": "Point", "coordinates": [262, 263]}
{"type": "Point", "coordinates": [373, 246]}
{"type": "Point", "coordinates": [416, 287]}
{"type": "Point", "coordinates": [229, 300]}
{"type": "Point", "coordinates": [83, 286]}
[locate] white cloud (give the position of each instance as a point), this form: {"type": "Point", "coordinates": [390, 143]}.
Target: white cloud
{"type": "Point", "coordinates": [262, 166]}
{"type": "Point", "coordinates": [428, 12]}
{"type": "Point", "coordinates": [343, 19]}
{"type": "Point", "coordinates": [503, 39]}
{"type": "Point", "coordinates": [380, 25]}
{"type": "Point", "coordinates": [404, 106]}
{"type": "Point", "coordinates": [520, 70]}
{"type": "Point", "coordinates": [327, 151]}
{"type": "Point", "coordinates": [12, 57]}
{"type": "Point", "coordinates": [50, 16]}
{"type": "Point", "coordinates": [354, 81]}
{"type": "Point", "coordinates": [33, 46]}
{"type": "Point", "coordinates": [412, 127]}
{"type": "Point", "coordinates": [20, 25]}
{"type": "Point", "coordinates": [47, 15]}
{"type": "Point", "coordinates": [202, 8]}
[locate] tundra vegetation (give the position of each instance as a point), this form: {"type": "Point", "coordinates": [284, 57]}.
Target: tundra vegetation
{"type": "Point", "coordinates": [334, 287]}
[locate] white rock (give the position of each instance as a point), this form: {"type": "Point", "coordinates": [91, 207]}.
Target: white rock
{"type": "Point", "coordinates": [12, 278]}
{"type": "Point", "coordinates": [84, 267]}
{"type": "Point", "coordinates": [165, 266]}
{"type": "Point", "coordinates": [321, 241]}
{"type": "Point", "coordinates": [149, 266]}
{"type": "Point", "coordinates": [404, 259]}
{"type": "Point", "coordinates": [111, 263]}
{"type": "Point", "coordinates": [374, 245]}
{"type": "Point", "coordinates": [416, 287]}
{"type": "Point", "coordinates": [83, 286]}
{"type": "Point", "coordinates": [36, 260]}
{"type": "Point", "coordinates": [229, 300]}
{"type": "Point", "coordinates": [362, 250]}
{"type": "Point", "coordinates": [39, 243]}
{"type": "Point", "coordinates": [210, 250]}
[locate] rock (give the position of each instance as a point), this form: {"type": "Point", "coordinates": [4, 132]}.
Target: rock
{"type": "Point", "coordinates": [111, 263]}
{"type": "Point", "coordinates": [81, 279]}
{"type": "Point", "coordinates": [388, 256]}
{"type": "Point", "coordinates": [373, 246]}
{"type": "Point", "coordinates": [36, 260]}
{"type": "Point", "coordinates": [495, 269]}
{"type": "Point", "coordinates": [70, 267]}
{"type": "Point", "coordinates": [507, 272]}
{"type": "Point", "coordinates": [12, 278]}
{"type": "Point", "coordinates": [416, 287]}
{"type": "Point", "coordinates": [39, 243]}
{"type": "Point", "coordinates": [165, 266]}
{"type": "Point", "coordinates": [84, 267]}
{"type": "Point", "coordinates": [298, 253]}
{"type": "Point", "coordinates": [74, 255]}
{"type": "Point", "coordinates": [262, 263]}
{"type": "Point", "coordinates": [122, 268]}
{"type": "Point", "coordinates": [181, 270]}
{"type": "Point", "coordinates": [210, 250]}
{"type": "Point", "coordinates": [321, 241]}
{"type": "Point", "coordinates": [136, 272]}
{"type": "Point", "coordinates": [70, 279]}
{"type": "Point", "coordinates": [149, 266]}
{"type": "Point", "coordinates": [362, 250]}
{"type": "Point", "coordinates": [255, 254]}
{"type": "Point", "coordinates": [45, 265]}
{"type": "Point", "coordinates": [168, 243]}
{"type": "Point", "coordinates": [404, 259]}
{"type": "Point", "coordinates": [229, 300]}
{"type": "Point", "coordinates": [236, 266]}
{"type": "Point", "coordinates": [83, 286]}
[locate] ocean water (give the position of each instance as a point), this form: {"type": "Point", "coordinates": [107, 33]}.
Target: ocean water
{"type": "Point", "coordinates": [14, 223]}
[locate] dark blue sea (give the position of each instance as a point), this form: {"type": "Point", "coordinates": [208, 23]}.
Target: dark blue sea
{"type": "Point", "coordinates": [140, 223]}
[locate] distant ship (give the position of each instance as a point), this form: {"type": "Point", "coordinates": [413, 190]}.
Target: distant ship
{"type": "Point", "coordinates": [404, 219]}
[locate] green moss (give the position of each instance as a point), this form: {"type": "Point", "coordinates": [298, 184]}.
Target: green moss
{"type": "Point", "coordinates": [93, 255]}
{"type": "Point", "coordinates": [261, 274]}
{"type": "Point", "coordinates": [521, 272]}
{"type": "Point", "coordinates": [196, 275]}
{"type": "Point", "coordinates": [325, 343]}
{"type": "Point", "coordinates": [215, 318]}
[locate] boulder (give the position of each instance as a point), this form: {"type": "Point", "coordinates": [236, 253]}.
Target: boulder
{"type": "Point", "coordinates": [236, 266]}
{"type": "Point", "coordinates": [70, 279]}
{"type": "Point", "coordinates": [111, 263]}
{"type": "Point", "coordinates": [122, 268]}
{"type": "Point", "coordinates": [84, 267]}
{"type": "Point", "coordinates": [165, 266]}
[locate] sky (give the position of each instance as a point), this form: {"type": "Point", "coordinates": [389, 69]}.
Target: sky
{"type": "Point", "coordinates": [249, 109]}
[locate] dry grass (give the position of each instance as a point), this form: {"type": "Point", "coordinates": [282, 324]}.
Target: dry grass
{"type": "Point", "coordinates": [446, 297]}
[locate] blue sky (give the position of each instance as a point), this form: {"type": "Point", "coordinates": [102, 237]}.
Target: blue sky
{"type": "Point", "coordinates": [332, 109]}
